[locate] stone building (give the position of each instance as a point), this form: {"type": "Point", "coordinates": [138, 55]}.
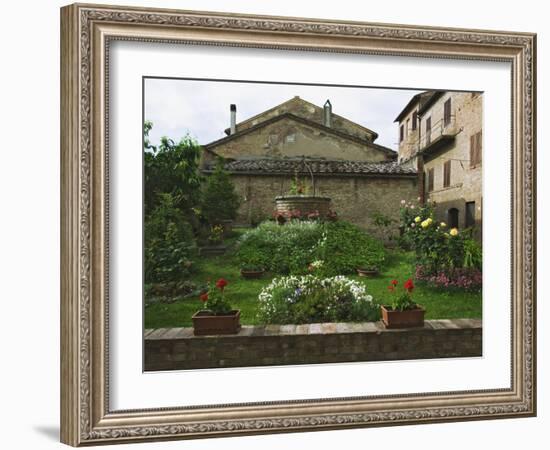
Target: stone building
{"type": "Point", "coordinates": [336, 157]}
{"type": "Point", "coordinates": [440, 133]}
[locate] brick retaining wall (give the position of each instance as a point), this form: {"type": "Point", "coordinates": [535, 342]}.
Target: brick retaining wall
{"type": "Point", "coordinates": [178, 348]}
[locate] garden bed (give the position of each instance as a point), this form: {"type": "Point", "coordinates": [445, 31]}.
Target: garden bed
{"type": "Point", "coordinates": [440, 303]}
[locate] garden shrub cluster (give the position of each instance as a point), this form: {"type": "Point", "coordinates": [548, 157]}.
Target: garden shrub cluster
{"type": "Point", "coordinates": [177, 202]}
{"type": "Point", "coordinates": [169, 244]}
{"type": "Point", "coordinates": [443, 257]}
{"type": "Point", "coordinates": [332, 248]}
{"type": "Point", "coordinates": [311, 299]}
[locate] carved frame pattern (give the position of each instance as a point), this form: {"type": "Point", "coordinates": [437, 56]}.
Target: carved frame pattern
{"type": "Point", "coordinates": [86, 418]}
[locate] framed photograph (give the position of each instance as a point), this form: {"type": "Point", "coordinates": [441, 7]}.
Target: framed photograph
{"type": "Point", "coordinates": [268, 221]}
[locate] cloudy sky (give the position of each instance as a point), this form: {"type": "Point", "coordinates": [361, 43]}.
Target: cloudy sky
{"type": "Point", "coordinates": [201, 108]}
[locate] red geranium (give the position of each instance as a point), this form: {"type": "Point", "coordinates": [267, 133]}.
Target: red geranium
{"type": "Point", "coordinates": [204, 297]}
{"type": "Point", "coordinates": [409, 286]}
{"type": "Point", "coordinates": [394, 282]}
{"type": "Point", "coordinates": [221, 283]}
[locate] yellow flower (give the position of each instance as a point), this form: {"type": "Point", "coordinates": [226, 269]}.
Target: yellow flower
{"type": "Point", "coordinates": [417, 219]}
{"type": "Point", "coordinates": [425, 223]}
{"type": "Point", "coordinates": [443, 224]}
{"type": "Point", "coordinates": [429, 219]}
{"type": "Point", "coordinates": [453, 232]}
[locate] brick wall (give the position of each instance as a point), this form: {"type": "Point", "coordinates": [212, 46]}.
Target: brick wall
{"type": "Point", "coordinates": [178, 348]}
{"type": "Point", "coordinates": [354, 198]}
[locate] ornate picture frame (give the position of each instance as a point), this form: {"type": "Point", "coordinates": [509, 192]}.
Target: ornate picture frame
{"type": "Point", "coordinates": [86, 34]}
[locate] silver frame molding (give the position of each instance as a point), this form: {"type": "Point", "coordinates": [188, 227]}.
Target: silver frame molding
{"type": "Point", "coordinates": [86, 31]}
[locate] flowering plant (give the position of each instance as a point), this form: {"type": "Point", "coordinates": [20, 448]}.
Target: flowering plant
{"type": "Point", "coordinates": [402, 300]}
{"type": "Point", "coordinates": [311, 299]}
{"type": "Point", "coordinates": [216, 234]}
{"type": "Point", "coordinates": [214, 299]}
{"type": "Point", "coordinates": [437, 248]}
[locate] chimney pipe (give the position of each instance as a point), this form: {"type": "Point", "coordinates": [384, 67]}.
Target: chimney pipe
{"type": "Point", "coordinates": [327, 119]}
{"type": "Point", "coordinates": [233, 123]}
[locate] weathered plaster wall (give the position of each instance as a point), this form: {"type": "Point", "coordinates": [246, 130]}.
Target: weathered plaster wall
{"type": "Point", "coordinates": [313, 112]}
{"type": "Point", "coordinates": [291, 138]}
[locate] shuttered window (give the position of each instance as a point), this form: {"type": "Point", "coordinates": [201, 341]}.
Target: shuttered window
{"type": "Point", "coordinates": [415, 119]}
{"type": "Point", "coordinates": [430, 180]}
{"type": "Point", "coordinates": [401, 133]}
{"type": "Point", "coordinates": [428, 130]}
{"type": "Point", "coordinates": [447, 174]}
{"type": "Point", "coordinates": [475, 149]}
{"type": "Point", "coordinates": [447, 112]}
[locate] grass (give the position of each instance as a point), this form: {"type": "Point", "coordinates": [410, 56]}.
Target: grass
{"type": "Point", "coordinates": [243, 294]}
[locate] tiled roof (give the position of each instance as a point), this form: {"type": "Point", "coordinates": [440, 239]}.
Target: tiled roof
{"type": "Point", "coordinates": [318, 166]}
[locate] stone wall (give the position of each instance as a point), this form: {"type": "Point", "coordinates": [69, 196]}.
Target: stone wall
{"type": "Point", "coordinates": [466, 181]}
{"type": "Point", "coordinates": [178, 348]}
{"type": "Point", "coordinates": [354, 198]}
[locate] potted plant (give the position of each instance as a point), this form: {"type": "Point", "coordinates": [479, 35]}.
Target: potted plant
{"type": "Point", "coordinates": [403, 311]}
{"type": "Point", "coordinates": [367, 271]}
{"type": "Point", "coordinates": [252, 271]}
{"type": "Point", "coordinates": [217, 317]}
{"type": "Point", "coordinates": [215, 242]}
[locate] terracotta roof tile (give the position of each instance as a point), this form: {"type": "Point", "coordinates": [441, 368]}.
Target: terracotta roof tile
{"type": "Point", "coordinates": [318, 166]}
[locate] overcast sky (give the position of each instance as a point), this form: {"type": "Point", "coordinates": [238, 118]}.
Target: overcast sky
{"type": "Point", "coordinates": [201, 108]}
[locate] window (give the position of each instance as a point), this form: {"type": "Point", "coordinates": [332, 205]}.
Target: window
{"type": "Point", "coordinates": [401, 133]}
{"type": "Point", "coordinates": [428, 130]}
{"type": "Point", "coordinates": [452, 218]}
{"type": "Point", "coordinates": [447, 173]}
{"type": "Point", "coordinates": [470, 214]}
{"type": "Point", "coordinates": [447, 112]}
{"type": "Point", "coordinates": [415, 120]}
{"type": "Point", "coordinates": [475, 149]}
{"type": "Point", "coordinates": [407, 127]}
{"type": "Point", "coordinates": [291, 138]}
{"type": "Point", "coordinates": [430, 179]}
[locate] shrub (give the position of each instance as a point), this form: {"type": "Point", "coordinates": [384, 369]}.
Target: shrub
{"type": "Point", "coordinates": [310, 299]}
{"type": "Point", "coordinates": [219, 200]}
{"type": "Point", "coordinates": [437, 248]}
{"type": "Point", "coordinates": [344, 247]}
{"type": "Point", "coordinates": [292, 248]}
{"type": "Point", "coordinates": [169, 244]}
{"type": "Point", "coordinates": [280, 249]}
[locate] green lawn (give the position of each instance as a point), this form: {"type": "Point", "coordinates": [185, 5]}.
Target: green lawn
{"type": "Point", "coordinates": [243, 294]}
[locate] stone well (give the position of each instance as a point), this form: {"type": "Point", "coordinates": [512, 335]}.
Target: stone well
{"type": "Point", "coordinates": [306, 204]}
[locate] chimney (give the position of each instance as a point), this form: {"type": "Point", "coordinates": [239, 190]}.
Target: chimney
{"type": "Point", "coordinates": [327, 118]}
{"type": "Point", "coordinates": [233, 124]}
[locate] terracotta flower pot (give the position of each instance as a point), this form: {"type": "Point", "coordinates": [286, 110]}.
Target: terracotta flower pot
{"type": "Point", "coordinates": [207, 323]}
{"type": "Point", "coordinates": [251, 274]}
{"type": "Point", "coordinates": [367, 272]}
{"type": "Point", "coordinates": [408, 318]}
{"type": "Point", "coordinates": [212, 250]}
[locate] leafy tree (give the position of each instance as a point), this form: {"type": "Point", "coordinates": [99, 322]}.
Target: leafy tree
{"type": "Point", "coordinates": [219, 199]}
{"type": "Point", "coordinates": [171, 168]}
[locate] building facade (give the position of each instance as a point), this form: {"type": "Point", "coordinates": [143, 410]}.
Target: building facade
{"type": "Point", "coordinates": [337, 158]}
{"type": "Point", "coordinates": [440, 133]}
